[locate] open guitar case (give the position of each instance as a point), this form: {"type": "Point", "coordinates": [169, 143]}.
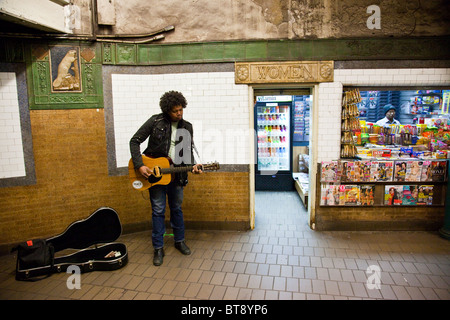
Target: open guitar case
{"type": "Point", "coordinates": [93, 237]}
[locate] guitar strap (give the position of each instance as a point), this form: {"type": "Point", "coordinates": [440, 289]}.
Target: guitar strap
{"type": "Point", "coordinates": [196, 152]}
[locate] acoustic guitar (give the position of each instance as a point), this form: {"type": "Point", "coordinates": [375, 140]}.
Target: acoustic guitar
{"type": "Point", "coordinates": [162, 171]}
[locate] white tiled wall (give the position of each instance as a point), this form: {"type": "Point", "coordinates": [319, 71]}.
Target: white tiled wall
{"type": "Point", "coordinates": [388, 77]}
{"type": "Point", "coordinates": [330, 95]}
{"type": "Point", "coordinates": [12, 162]}
{"type": "Point", "coordinates": [329, 120]}
{"type": "Point", "coordinates": [217, 108]}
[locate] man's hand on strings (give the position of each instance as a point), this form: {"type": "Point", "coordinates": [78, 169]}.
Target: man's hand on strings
{"type": "Point", "coordinates": [197, 168]}
{"type": "Point", "coordinates": [145, 171]}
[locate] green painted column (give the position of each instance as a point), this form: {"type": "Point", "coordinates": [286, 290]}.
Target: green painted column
{"type": "Point", "coordinates": [445, 230]}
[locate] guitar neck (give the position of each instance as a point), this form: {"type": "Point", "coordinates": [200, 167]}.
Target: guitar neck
{"type": "Point", "coordinates": [176, 169]}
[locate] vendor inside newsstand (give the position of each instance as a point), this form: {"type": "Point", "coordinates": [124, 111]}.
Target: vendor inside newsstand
{"type": "Point", "coordinates": [413, 124]}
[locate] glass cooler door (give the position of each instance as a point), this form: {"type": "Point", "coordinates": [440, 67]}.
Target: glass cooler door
{"type": "Point", "coordinates": [273, 125]}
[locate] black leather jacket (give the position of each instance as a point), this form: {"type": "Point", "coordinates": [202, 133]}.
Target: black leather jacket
{"type": "Point", "coordinates": [159, 130]}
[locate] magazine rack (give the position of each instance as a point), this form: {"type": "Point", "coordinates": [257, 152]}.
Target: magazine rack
{"type": "Point", "coordinates": [407, 182]}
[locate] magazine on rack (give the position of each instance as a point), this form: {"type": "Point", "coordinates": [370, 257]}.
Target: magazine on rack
{"type": "Point", "coordinates": [351, 195]}
{"type": "Point", "coordinates": [366, 194]}
{"type": "Point", "coordinates": [329, 171]}
{"type": "Point", "coordinates": [410, 194]}
{"type": "Point", "coordinates": [385, 170]}
{"type": "Point", "coordinates": [438, 170]}
{"type": "Point", "coordinates": [413, 170]}
{"type": "Point", "coordinates": [426, 171]}
{"type": "Point", "coordinates": [400, 171]}
{"type": "Point", "coordinates": [356, 171]}
{"type": "Point", "coordinates": [374, 171]}
{"type": "Point", "coordinates": [359, 167]}
{"type": "Point", "coordinates": [330, 195]}
{"type": "Point", "coordinates": [425, 195]}
{"type": "Point", "coordinates": [347, 171]}
{"type": "Point", "coordinates": [365, 171]}
{"type": "Point", "coordinates": [393, 195]}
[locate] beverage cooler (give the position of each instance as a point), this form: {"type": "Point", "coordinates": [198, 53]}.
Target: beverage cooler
{"type": "Point", "coordinates": [273, 122]}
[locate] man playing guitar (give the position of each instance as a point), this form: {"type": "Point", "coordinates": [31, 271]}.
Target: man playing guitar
{"type": "Point", "coordinates": [169, 136]}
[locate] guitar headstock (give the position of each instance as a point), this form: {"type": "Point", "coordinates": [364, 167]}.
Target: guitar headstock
{"type": "Point", "coordinates": [211, 166]}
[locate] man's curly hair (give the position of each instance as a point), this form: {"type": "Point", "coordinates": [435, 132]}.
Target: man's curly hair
{"type": "Point", "coordinates": [171, 99]}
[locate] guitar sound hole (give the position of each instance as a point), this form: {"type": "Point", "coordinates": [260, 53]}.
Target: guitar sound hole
{"type": "Point", "coordinates": [153, 179]}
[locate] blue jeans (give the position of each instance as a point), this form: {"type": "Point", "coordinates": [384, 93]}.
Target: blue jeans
{"type": "Point", "coordinates": [174, 194]}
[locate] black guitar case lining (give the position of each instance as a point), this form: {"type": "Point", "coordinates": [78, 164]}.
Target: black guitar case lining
{"type": "Point", "coordinates": [101, 227]}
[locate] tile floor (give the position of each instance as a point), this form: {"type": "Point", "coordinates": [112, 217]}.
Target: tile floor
{"type": "Point", "coordinates": [282, 259]}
